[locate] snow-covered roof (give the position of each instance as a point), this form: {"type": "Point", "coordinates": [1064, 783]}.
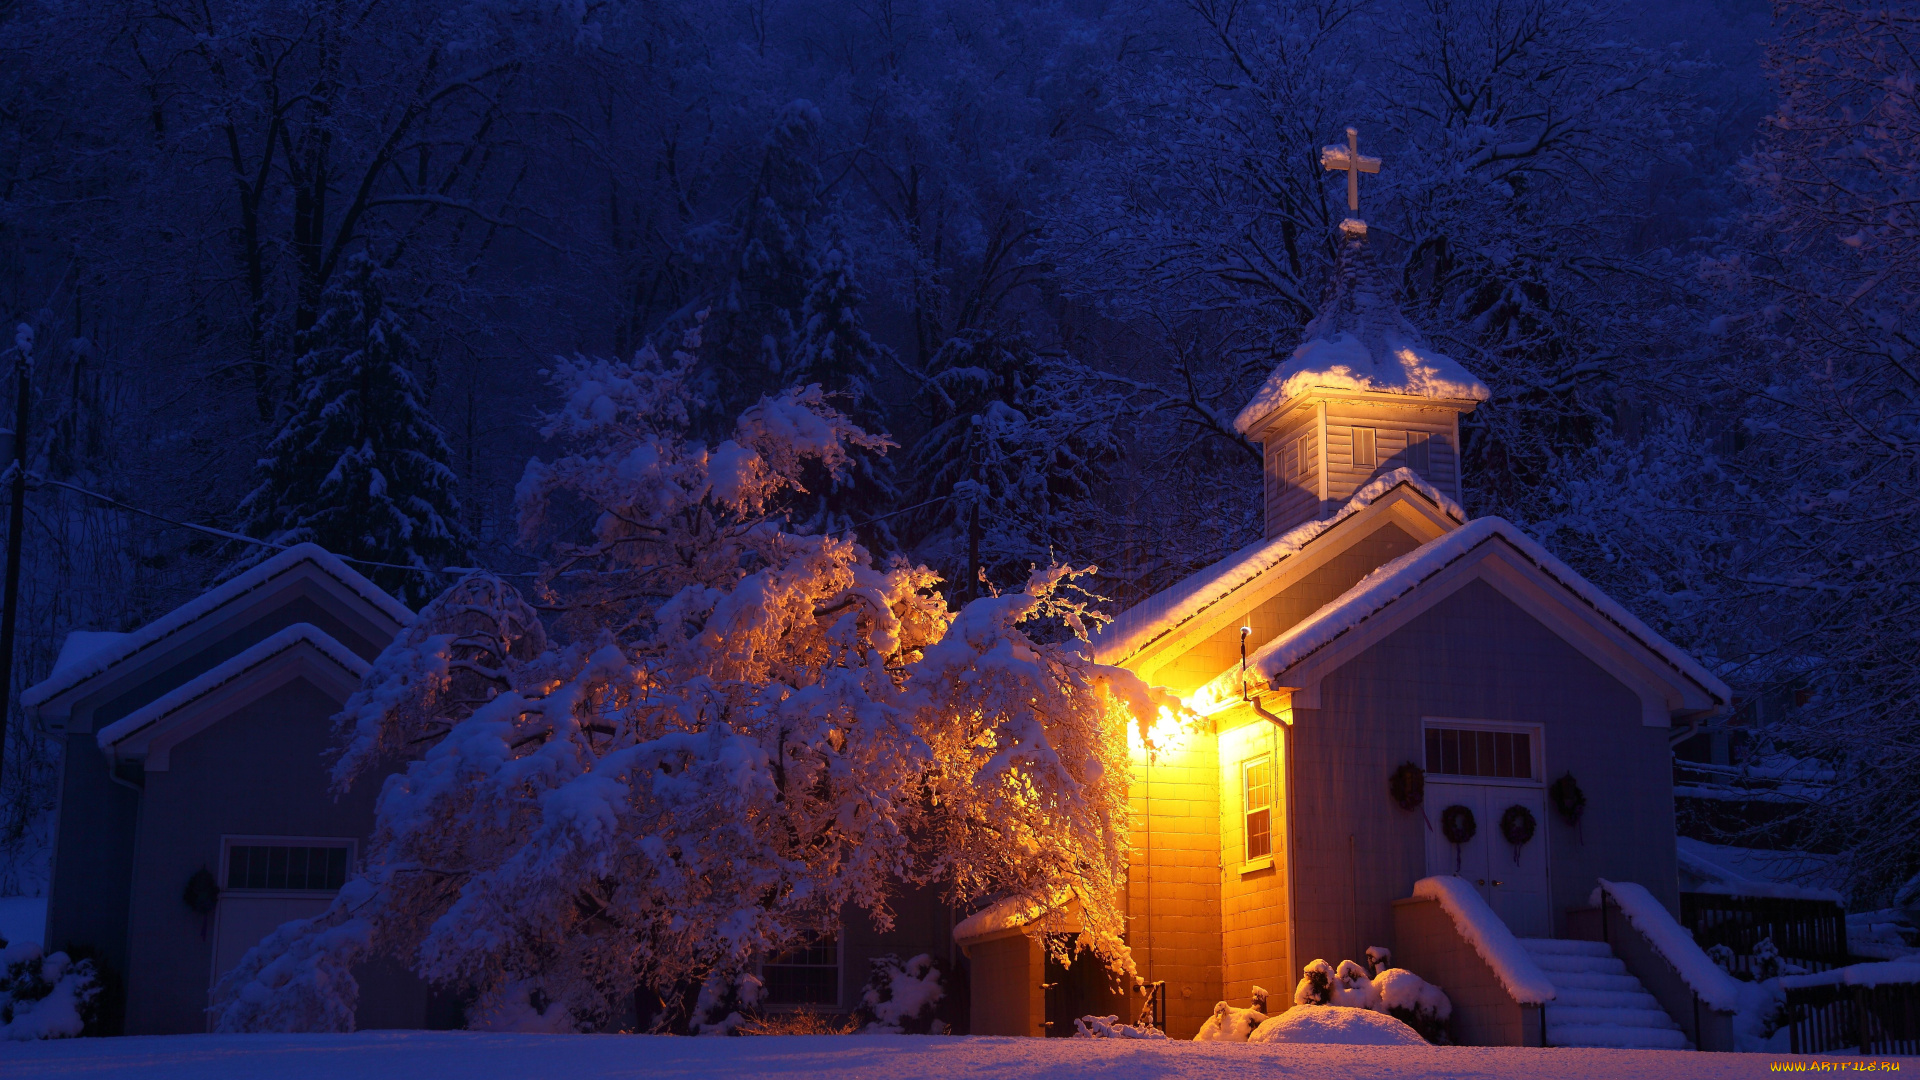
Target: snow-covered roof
{"type": "Point", "coordinates": [1012, 913]}
{"type": "Point", "coordinates": [1360, 341]}
{"type": "Point", "coordinates": [80, 647]}
{"type": "Point", "coordinates": [106, 651]}
{"type": "Point", "coordinates": [1708, 865]}
{"type": "Point", "coordinates": [1163, 612]}
{"type": "Point", "coordinates": [156, 713]}
{"type": "Point", "coordinates": [1397, 578]}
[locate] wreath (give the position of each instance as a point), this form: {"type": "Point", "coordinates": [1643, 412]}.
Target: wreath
{"type": "Point", "coordinates": [1408, 785]}
{"type": "Point", "coordinates": [1568, 799]}
{"type": "Point", "coordinates": [1458, 826]}
{"type": "Point", "coordinates": [1516, 826]}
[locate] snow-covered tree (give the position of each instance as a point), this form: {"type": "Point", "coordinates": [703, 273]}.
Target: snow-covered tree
{"type": "Point", "coordinates": [1769, 519]}
{"type": "Point", "coordinates": [359, 465]}
{"type": "Point", "coordinates": [727, 734]}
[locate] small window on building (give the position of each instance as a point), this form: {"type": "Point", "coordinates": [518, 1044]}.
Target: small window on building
{"type": "Point", "coordinates": [290, 866]}
{"type": "Point", "coordinates": [809, 975]}
{"type": "Point", "coordinates": [1419, 458]}
{"type": "Point", "coordinates": [1505, 755]}
{"type": "Point", "coordinates": [1302, 456]}
{"type": "Point", "coordinates": [1364, 454]}
{"type": "Point", "coordinates": [1256, 788]}
{"type": "Point", "coordinates": [1289, 457]}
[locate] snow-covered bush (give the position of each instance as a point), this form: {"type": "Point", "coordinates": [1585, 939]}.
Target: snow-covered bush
{"type": "Point", "coordinates": [901, 998]}
{"type": "Point", "coordinates": [1228, 1024]}
{"type": "Point", "coordinates": [1414, 1002]}
{"type": "Point", "coordinates": [1353, 987]}
{"type": "Point", "coordinates": [1336, 1025]}
{"type": "Point", "coordinates": [45, 997]}
{"type": "Point", "coordinates": [710, 737]}
{"type": "Point", "coordinates": [1394, 991]}
{"type": "Point", "coordinates": [1110, 1027]}
{"type": "Point", "coordinates": [1316, 984]}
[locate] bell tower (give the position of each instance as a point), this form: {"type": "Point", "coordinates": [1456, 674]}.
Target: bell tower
{"type": "Point", "coordinates": [1362, 394]}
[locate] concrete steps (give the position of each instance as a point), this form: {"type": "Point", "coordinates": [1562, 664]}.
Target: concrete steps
{"type": "Point", "coordinates": [1598, 1003]}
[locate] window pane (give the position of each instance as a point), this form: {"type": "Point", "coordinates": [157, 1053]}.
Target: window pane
{"type": "Point", "coordinates": [237, 868]}
{"type": "Point", "coordinates": [809, 975]}
{"type": "Point", "coordinates": [1259, 834]}
{"type": "Point", "coordinates": [336, 868]}
{"type": "Point", "coordinates": [1259, 784]}
{"type": "Point", "coordinates": [257, 868]}
{"type": "Point", "coordinates": [1465, 752]}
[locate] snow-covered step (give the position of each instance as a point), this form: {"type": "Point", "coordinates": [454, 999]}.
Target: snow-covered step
{"type": "Point", "coordinates": [1597, 1001]}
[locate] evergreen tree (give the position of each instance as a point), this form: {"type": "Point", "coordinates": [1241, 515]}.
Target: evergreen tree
{"type": "Point", "coordinates": [755, 322]}
{"type": "Point", "coordinates": [1008, 471]}
{"type": "Point", "coordinates": [359, 465]}
{"type": "Point", "coordinates": [833, 349]}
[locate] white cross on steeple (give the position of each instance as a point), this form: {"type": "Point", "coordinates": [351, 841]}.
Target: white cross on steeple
{"type": "Point", "coordinates": [1349, 159]}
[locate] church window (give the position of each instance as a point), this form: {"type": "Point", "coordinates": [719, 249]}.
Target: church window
{"type": "Point", "coordinates": [807, 975]}
{"type": "Point", "coordinates": [1506, 755]}
{"type": "Point", "coordinates": [1257, 790]}
{"type": "Point", "coordinates": [1364, 455]}
{"type": "Point", "coordinates": [287, 866]}
{"type": "Point", "coordinates": [1419, 457]}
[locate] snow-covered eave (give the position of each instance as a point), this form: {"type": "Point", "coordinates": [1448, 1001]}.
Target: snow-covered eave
{"type": "Point", "coordinates": [1249, 422]}
{"type": "Point", "coordinates": [1012, 915]}
{"type": "Point", "coordinates": [131, 734]}
{"type": "Point", "coordinates": [1153, 619]}
{"type": "Point", "coordinates": [174, 625]}
{"type": "Point", "coordinates": [1393, 581]}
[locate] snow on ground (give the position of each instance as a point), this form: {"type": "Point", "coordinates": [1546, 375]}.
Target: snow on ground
{"type": "Point", "coordinates": [419, 1055]}
{"type": "Point", "coordinates": [23, 918]}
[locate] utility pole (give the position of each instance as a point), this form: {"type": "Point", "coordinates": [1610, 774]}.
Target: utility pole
{"type": "Point", "coordinates": [16, 525]}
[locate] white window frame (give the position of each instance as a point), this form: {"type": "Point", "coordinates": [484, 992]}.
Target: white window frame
{"type": "Point", "coordinates": [229, 842]}
{"type": "Point", "coordinates": [1536, 750]}
{"type": "Point", "coordinates": [1302, 459]}
{"type": "Point", "coordinates": [1248, 860]}
{"type": "Point", "coordinates": [840, 981]}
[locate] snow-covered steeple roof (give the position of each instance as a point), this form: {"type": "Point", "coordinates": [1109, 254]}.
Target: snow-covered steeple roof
{"type": "Point", "coordinates": [1360, 341]}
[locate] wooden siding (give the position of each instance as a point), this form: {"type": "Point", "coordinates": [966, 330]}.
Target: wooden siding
{"type": "Point", "coordinates": [1292, 498]}
{"type": "Point", "coordinates": [1173, 882]}
{"type": "Point", "coordinates": [1390, 426]}
{"type": "Point", "coordinates": [1474, 655]}
{"type": "Point", "coordinates": [1013, 967]}
{"type": "Point", "coordinates": [1253, 900]}
{"type": "Point", "coordinates": [260, 771]}
{"type": "Point", "coordinates": [1221, 650]}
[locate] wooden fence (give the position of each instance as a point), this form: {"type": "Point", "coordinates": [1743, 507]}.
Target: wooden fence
{"type": "Point", "coordinates": [1873, 1019]}
{"type": "Point", "coordinates": [1811, 933]}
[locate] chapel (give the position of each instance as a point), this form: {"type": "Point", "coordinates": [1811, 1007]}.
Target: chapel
{"type": "Point", "coordinates": [1390, 690]}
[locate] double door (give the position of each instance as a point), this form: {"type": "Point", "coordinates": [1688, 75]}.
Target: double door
{"type": "Point", "coordinates": [1512, 879]}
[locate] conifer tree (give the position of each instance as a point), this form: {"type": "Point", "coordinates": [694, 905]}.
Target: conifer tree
{"type": "Point", "coordinates": [359, 466]}
{"type": "Point", "coordinates": [832, 348]}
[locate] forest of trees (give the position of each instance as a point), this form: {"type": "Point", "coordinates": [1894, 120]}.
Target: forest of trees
{"type": "Point", "coordinates": [307, 269]}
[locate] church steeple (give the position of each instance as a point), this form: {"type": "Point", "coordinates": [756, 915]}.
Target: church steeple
{"type": "Point", "coordinates": [1362, 394]}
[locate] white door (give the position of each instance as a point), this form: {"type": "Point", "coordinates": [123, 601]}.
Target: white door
{"type": "Point", "coordinates": [1513, 881]}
